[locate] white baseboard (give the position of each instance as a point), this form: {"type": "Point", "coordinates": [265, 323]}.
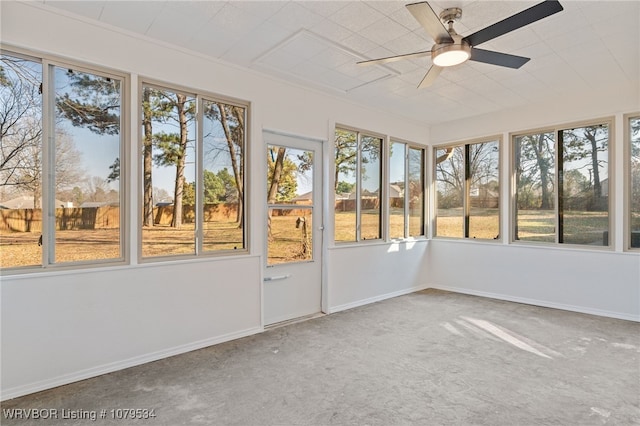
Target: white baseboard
{"type": "Point", "coordinates": [121, 365]}
{"type": "Point", "coordinates": [362, 302]}
{"type": "Point", "coordinates": [536, 302]}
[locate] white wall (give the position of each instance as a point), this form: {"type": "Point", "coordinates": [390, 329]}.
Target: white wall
{"type": "Point", "coordinates": [602, 282]}
{"type": "Point", "coordinates": [365, 274]}
{"type": "Point", "coordinates": [64, 326]}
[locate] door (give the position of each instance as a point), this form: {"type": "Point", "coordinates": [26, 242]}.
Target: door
{"type": "Point", "coordinates": [293, 193]}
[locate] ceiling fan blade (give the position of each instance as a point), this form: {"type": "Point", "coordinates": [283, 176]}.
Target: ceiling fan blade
{"type": "Point", "coordinates": [430, 76]}
{"type": "Point", "coordinates": [526, 17]}
{"type": "Point", "coordinates": [431, 23]}
{"type": "Point", "coordinates": [497, 58]}
{"type": "Point", "coordinates": [395, 58]}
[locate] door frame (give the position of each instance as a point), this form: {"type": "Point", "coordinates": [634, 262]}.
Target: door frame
{"type": "Point", "coordinates": [319, 201]}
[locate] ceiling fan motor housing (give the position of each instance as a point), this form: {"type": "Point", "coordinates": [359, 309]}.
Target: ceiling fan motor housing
{"type": "Point", "coordinates": [450, 15]}
{"type": "Point", "coordinates": [449, 54]}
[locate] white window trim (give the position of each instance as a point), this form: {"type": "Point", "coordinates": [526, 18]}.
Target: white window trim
{"type": "Point", "coordinates": [555, 129]}
{"type": "Point", "coordinates": [48, 214]}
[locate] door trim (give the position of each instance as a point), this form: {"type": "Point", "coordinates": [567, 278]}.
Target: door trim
{"type": "Point", "coordinates": [287, 139]}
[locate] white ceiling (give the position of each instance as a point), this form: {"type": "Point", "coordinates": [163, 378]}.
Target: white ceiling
{"type": "Point", "coordinates": [590, 46]}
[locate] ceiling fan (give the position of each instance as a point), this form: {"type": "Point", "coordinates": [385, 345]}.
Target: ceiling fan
{"type": "Point", "coordinates": [452, 49]}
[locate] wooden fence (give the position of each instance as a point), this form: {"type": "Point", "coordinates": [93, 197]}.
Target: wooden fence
{"type": "Point", "coordinates": [108, 217]}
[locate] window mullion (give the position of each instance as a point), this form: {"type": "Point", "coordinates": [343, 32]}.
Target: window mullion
{"type": "Point", "coordinates": [199, 189]}
{"type": "Point", "coordinates": [467, 188]}
{"type": "Point", "coordinates": [407, 211]}
{"type": "Point", "coordinates": [560, 187]}
{"type": "Point", "coordinates": [48, 166]}
{"type": "Point", "coordinates": [358, 200]}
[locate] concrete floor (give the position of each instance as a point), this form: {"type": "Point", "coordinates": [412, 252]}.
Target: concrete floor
{"type": "Point", "coordinates": [428, 358]}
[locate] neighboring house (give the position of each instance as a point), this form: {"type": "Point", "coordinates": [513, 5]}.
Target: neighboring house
{"type": "Point", "coordinates": [604, 185]}
{"type": "Point", "coordinates": [395, 191]}
{"type": "Point", "coordinates": [484, 197]}
{"type": "Point", "coordinates": [96, 204]}
{"type": "Point", "coordinates": [305, 198]}
{"type": "Point", "coordinates": [26, 202]}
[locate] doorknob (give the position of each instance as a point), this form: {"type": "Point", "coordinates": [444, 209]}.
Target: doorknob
{"type": "Point", "coordinates": [277, 277]}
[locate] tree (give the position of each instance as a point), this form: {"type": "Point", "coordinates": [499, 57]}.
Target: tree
{"type": "Point", "coordinates": [583, 146]}
{"type": "Point", "coordinates": [450, 177]}
{"type": "Point", "coordinates": [166, 109]}
{"type": "Point", "coordinates": [635, 166]}
{"type": "Point", "coordinates": [147, 158]}
{"type": "Point", "coordinates": [231, 120]}
{"type": "Point", "coordinates": [228, 182]}
{"type": "Point", "coordinates": [535, 162]}
{"type": "Point", "coordinates": [345, 155]}
{"type": "Point", "coordinates": [67, 170]}
{"type": "Point", "coordinates": [189, 194]}
{"type": "Point", "coordinates": [345, 187]}
{"type": "Point", "coordinates": [97, 190]}
{"type": "Point", "coordinates": [214, 188]}
{"type": "Point", "coordinates": [454, 168]}
{"type": "Point", "coordinates": [347, 145]}
{"type": "Point", "coordinates": [21, 126]}
{"type": "Point", "coordinates": [95, 103]}
{"type": "Point", "coordinates": [91, 102]}
{"type": "Point", "coordinates": [161, 195]}
{"type": "Point", "coordinates": [114, 175]}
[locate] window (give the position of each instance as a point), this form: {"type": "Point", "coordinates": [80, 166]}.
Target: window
{"type": "Point", "coordinates": [193, 179]}
{"type": "Point", "coordinates": [535, 187]}
{"type": "Point", "coordinates": [61, 163]}
{"type": "Point", "coordinates": [406, 190]}
{"type": "Point", "coordinates": [562, 186]}
{"type": "Point", "coordinates": [358, 184]}
{"type": "Point", "coordinates": [468, 190]}
{"type": "Point", "coordinates": [634, 169]}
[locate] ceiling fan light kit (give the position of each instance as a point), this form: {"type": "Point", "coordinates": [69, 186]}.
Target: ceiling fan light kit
{"type": "Point", "coordinates": [451, 49]}
{"type": "Point", "coordinates": [448, 55]}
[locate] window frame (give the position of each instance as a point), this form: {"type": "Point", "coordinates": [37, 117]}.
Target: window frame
{"type": "Point", "coordinates": [383, 210]}
{"type": "Point", "coordinates": [407, 199]}
{"type": "Point", "coordinates": [628, 181]}
{"type": "Point", "coordinates": [48, 63]}
{"type": "Point", "coordinates": [556, 130]}
{"type": "Point", "coordinates": [466, 198]}
{"type": "Point", "coordinates": [200, 96]}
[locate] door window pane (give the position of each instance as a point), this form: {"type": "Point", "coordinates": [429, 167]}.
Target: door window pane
{"type": "Point", "coordinates": [289, 183]}
{"type": "Point", "coordinates": [290, 235]}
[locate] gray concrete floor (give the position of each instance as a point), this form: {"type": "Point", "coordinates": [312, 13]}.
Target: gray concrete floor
{"type": "Point", "coordinates": [428, 358]}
